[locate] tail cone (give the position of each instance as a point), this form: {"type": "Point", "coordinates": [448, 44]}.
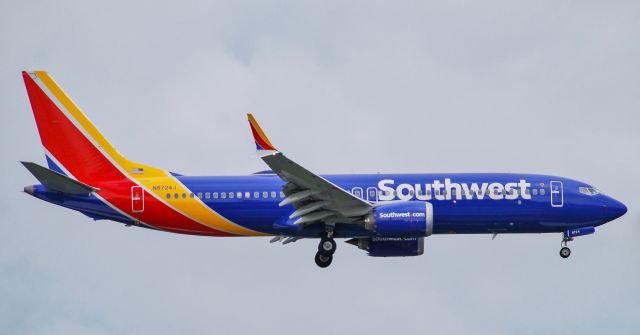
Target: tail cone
{"type": "Point", "coordinates": [29, 189]}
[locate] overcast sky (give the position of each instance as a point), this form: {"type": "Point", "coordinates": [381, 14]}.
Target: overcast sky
{"type": "Point", "coordinates": [542, 87]}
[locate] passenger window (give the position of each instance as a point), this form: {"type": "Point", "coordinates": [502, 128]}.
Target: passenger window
{"type": "Point", "coordinates": [256, 195]}
{"type": "Point", "coordinates": [168, 195]}
{"type": "Point", "coordinates": [191, 195]}
{"type": "Point", "coordinates": [175, 195]}
{"type": "Point", "coordinates": [239, 195]}
{"type": "Point", "coordinates": [273, 194]}
{"type": "Point", "coordinates": [265, 194]}
{"type": "Point", "coordinates": [247, 195]}
{"type": "Point", "coordinates": [281, 194]}
{"type": "Point", "coordinates": [184, 195]}
{"type": "Point", "coordinates": [534, 191]}
{"type": "Point", "coordinates": [231, 195]}
{"type": "Point", "coordinates": [215, 195]}
{"type": "Point", "coordinates": [542, 191]}
{"type": "Point", "coordinates": [223, 195]}
{"type": "Point", "coordinates": [207, 195]}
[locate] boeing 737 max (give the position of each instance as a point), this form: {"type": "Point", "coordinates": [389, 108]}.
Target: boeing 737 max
{"type": "Point", "coordinates": [384, 214]}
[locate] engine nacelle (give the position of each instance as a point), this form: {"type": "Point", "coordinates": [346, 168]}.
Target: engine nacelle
{"type": "Point", "coordinates": [390, 246]}
{"type": "Point", "coordinates": [401, 219]}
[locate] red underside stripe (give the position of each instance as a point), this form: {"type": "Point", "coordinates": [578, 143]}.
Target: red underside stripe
{"type": "Point", "coordinates": [77, 154]}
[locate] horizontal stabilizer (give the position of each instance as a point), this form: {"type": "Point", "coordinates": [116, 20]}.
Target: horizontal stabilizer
{"type": "Point", "coordinates": [55, 181]}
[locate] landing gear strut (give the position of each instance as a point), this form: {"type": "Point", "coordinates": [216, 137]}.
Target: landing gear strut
{"type": "Point", "coordinates": [326, 249]}
{"type": "Point", "coordinates": [565, 252]}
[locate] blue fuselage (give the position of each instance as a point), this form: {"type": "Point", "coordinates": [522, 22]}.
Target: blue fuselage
{"type": "Point", "coordinates": [462, 203]}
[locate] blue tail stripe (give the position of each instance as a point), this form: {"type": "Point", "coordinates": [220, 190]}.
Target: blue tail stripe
{"type": "Point", "coordinates": [53, 165]}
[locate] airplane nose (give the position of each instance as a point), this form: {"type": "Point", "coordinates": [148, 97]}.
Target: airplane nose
{"type": "Point", "coordinates": [613, 209]}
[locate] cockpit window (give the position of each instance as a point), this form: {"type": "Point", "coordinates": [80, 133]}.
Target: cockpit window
{"type": "Point", "coordinates": [589, 190]}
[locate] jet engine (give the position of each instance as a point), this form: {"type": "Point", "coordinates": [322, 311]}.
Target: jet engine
{"type": "Point", "coordinates": [390, 246]}
{"type": "Point", "coordinates": [401, 219]}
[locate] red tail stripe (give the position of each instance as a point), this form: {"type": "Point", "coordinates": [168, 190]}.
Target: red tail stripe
{"type": "Point", "coordinates": [77, 154]}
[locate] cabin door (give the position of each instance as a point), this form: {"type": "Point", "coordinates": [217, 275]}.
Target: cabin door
{"type": "Point", "coordinates": [137, 199]}
{"type": "Point", "coordinates": [557, 196]}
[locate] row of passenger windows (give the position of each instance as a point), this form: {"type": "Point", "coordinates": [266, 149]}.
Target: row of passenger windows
{"type": "Point", "coordinates": [228, 195]}
{"type": "Point", "coordinates": [357, 192]}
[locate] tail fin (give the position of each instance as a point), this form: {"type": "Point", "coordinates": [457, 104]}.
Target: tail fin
{"type": "Point", "coordinates": [76, 148]}
{"type": "Point", "coordinates": [72, 143]}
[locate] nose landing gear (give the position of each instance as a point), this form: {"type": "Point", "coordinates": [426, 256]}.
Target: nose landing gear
{"type": "Point", "coordinates": [565, 252]}
{"type": "Point", "coordinates": [568, 235]}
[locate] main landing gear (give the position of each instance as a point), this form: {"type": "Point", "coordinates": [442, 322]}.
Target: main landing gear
{"type": "Point", "coordinates": [326, 249]}
{"type": "Point", "coordinates": [323, 260]}
{"type": "Point", "coordinates": [565, 252]}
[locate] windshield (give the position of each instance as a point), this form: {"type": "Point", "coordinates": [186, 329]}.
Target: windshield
{"type": "Point", "coordinates": [589, 190]}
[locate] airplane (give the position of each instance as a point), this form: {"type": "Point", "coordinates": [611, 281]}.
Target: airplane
{"type": "Point", "coordinates": [387, 215]}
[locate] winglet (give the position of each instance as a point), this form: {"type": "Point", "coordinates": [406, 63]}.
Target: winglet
{"type": "Point", "coordinates": [262, 142]}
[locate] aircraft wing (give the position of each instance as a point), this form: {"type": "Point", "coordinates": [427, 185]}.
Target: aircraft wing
{"type": "Point", "coordinates": [315, 198]}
